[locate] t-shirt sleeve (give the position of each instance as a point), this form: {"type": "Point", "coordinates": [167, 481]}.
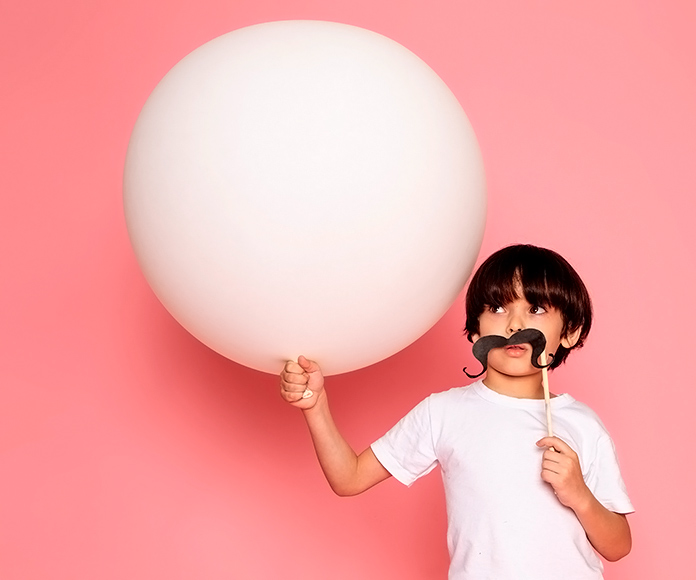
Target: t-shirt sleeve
{"type": "Point", "coordinates": [605, 481]}
{"type": "Point", "coordinates": [407, 450]}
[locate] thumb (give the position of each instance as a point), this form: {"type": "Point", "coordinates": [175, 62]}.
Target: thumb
{"type": "Point", "coordinates": [308, 366]}
{"type": "Point", "coordinates": [554, 443]}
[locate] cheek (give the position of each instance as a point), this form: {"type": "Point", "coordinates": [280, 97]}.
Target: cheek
{"type": "Point", "coordinates": [553, 340]}
{"type": "Point", "coordinates": [495, 355]}
{"type": "Point", "coordinates": [488, 326]}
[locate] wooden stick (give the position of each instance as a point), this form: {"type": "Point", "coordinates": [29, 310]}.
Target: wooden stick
{"type": "Point", "coordinates": [547, 396]}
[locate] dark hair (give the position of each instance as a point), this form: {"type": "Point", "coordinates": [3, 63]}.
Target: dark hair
{"type": "Point", "coordinates": [546, 279]}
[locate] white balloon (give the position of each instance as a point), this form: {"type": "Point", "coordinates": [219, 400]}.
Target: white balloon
{"type": "Point", "coordinates": [304, 187]}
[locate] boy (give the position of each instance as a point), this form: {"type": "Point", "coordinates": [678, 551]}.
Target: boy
{"type": "Point", "coordinates": [505, 520]}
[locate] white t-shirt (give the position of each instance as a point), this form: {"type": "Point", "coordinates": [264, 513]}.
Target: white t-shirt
{"type": "Point", "coordinates": [504, 521]}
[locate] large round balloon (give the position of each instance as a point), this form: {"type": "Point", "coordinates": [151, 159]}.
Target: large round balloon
{"type": "Point", "coordinates": [304, 187]}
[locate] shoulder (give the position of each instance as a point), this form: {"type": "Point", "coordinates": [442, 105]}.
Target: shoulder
{"type": "Point", "coordinates": [582, 414]}
{"type": "Point", "coordinates": [451, 396]}
{"type": "Point", "coordinates": [444, 405]}
{"type": "Point", "coordinates": [583, 429]}
{"type": "Point", "coordinates": [452, 404]}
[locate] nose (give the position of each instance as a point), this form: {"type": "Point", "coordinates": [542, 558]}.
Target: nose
{"type": "Point", "coordinates": [515, 324]}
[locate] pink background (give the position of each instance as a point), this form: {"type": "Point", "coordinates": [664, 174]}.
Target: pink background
{"type": "Point", "coordinates": [130, 450]}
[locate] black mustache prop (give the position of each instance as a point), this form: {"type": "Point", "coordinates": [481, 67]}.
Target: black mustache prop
{"type": "Point", "coordinates": [531, 335]}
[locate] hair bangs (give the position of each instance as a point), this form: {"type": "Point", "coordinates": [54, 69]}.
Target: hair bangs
{"type": "Point", "coordinates": [541, 287]}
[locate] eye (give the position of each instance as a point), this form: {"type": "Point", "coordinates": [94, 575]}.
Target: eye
{"type": "Point", "coordinates": [496, 309]}
{"type": "Point", "coordinates": [536, 309]}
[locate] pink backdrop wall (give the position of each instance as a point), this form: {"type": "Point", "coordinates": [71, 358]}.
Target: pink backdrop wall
{"type": "Point", "coordinates": [129, 450]}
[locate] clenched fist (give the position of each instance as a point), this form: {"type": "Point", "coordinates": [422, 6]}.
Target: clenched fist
{"type": "Point", "coordinates": [301, 383]}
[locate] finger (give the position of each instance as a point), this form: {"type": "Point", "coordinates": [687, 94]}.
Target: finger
{"type": "Point", "coordinates": [557, 463]}
{"type": "Point", "coordinates": [308, 366]}
{"type": "Point", "coordinates": [292, 396]}
{"type": "Point", "coordinates": [292, 367]}
{"type": "Point", "coordinates": [294, 378]}
{"type": "Point", "coordinates": [551, 457]}
{"type": "Point", "coordinates": [293, 387]}
{"type": "Point", "coordinates": [548, 466]}
{"type": "Point", "coordinates": [548, 476]}
{"type": "Point", "coordinates": [558, 444]}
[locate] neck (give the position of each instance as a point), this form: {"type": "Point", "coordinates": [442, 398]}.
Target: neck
{"type": "Point", "coordinates": [519, 387]}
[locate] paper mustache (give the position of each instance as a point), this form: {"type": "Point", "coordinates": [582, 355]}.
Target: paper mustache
{"type": "Point", "coordinates": [531, 335]}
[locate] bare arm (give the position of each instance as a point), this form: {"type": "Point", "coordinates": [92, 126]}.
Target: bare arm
{"type": "Point", "coordinates": [607, 531]}
{"type": "Point", "coordinates": [346, 472]}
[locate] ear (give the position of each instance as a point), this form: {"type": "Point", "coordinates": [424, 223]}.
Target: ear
{"type": "Point", "coordinates": [571, 338]}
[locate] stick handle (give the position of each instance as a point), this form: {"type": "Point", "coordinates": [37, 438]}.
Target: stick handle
{"type": "Point", "coordinates": [547, 396]}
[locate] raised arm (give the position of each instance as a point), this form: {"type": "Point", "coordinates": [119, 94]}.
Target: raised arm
{"type": "Point", "coordinates": [346, 472]}
{"type": "Point", "coordinates": [607, 531]}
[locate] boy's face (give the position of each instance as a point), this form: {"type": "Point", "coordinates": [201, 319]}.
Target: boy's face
{"type": "Point", "coordinates": [515, 360]}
